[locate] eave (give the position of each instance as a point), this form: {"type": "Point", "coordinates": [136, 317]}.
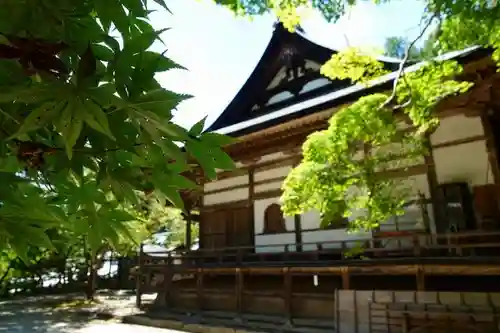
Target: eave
{"type": "Point", "coordinates": [255, 88]}
{"type": "Point", "coordinates": [340, 97]}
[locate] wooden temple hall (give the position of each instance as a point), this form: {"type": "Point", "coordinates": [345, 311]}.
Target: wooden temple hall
{"type": "Point", "coordinates": [434, 269]}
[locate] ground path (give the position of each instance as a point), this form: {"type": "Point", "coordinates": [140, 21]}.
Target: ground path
{"type": "Point", "coordinates": [41, 315]}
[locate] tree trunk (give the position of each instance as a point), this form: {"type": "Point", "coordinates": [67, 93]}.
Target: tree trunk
{"type": "Point", "coordinates": [91, 276]}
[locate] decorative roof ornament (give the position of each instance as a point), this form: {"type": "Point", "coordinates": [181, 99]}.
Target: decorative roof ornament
{"type": "Point", "coordinates": [294, 63]}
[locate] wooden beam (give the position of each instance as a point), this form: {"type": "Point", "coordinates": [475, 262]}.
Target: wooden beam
{"type": "Point", "coordinates": [226, 189]}
{"type": "Point", "coordinates": [225, 205]}
{"type": "Point", "coordinates": [288, 159]}
{"type": "Point", "coordinates": [267, 194]}
{"type": "Point", "coordinates": [461, 141]}
{"type": "Point", "coordinates": [373, 269]}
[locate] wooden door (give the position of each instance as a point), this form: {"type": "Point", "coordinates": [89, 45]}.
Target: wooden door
{"type": "Point", "coordinates": [213, 230]}
{"type": "Point", "coordinates": [226, 227]}
{"type": "Point", "coordinates": [240, 229]}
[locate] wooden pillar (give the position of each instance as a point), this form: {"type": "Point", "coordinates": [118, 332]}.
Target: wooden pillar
{"type": "Point", "coordinates": [297, 218]}
{"type": "Point", "coordinates": [251, 198]}
{"type": "Point", "coordinates": [491, 147]}
{"type": "Point", "coordinates": [298, 233]}
{"type": "Point", "coordinates": [337, 310]}
{"type": "Point", "coordinates": [287, 295]}
{"type": "Point", "coordinates": [239, 292]}
{"type": "Point", "coordinates": [346, 279]}
{"type": "Point", "coordinates": [188, 240]}
{"type": "Point", "coordinates": [420, 275]}
{"type": "Point", "coordinates": [187, 216]}
{"type": "Point", "coordinates": [432, 180]}
{"type": "Point", "coordinates": [199, 288]}
{"type": "Point", "coordinates": [356, 309]}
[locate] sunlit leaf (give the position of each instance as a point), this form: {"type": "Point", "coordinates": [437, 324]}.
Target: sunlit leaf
{"type": "Point", "coordinates": [95, 117]}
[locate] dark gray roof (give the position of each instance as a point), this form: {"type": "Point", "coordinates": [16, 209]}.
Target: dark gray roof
{"type": "Point", "coordinates": [335, 97]}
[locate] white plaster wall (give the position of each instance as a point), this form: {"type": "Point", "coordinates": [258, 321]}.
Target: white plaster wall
{"type": "Point", "coordinates": [413, 219]}
{"type": "Point", "coordinates": [267, 187]}
{"type": "Point", "coordinates": [270, 174]}
{"type": "Point", "coordinates": [397, 149]}
{"type": "Point", "coordinates": [466, 162]}
{"type": "Point", "coordinates": [274, 243]}
{"type": "Point", "coordinates": [271, 239]}
{"type": "Point", "coordinates": [229, 195]}
{"type": "Point", "coordinates": [456, 127]}
{"type": "Point", "coordinates": [227, 182]}
{"type": "Point", "coordinates": [226, 196]}
{"type": "Point", "coordinates": [311, 220]}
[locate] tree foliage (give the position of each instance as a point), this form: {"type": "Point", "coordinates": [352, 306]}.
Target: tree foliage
{"type": "Point", "coordinates": [343, 166]}
{"type": "Point", "coordinates": [85, 125]}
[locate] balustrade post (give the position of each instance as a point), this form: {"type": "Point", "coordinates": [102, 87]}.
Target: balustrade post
{"type": "Point", "coordinates": [239, 292]}
{"type": "Point", "coordinates": [239, 256]}
{"type": "Point", "coordinates": [420, 276]}
{"type": "Point", "coordinates": [199, 289]}
{"type": "Point", "coordinates": [287, 296]}
{"type": "Point", "coordinates": [416, 245]}
{"type": "Point", "coordinates": [319, 249]}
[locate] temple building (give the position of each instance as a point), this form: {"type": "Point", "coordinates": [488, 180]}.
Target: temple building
{"type": "Point", "coordinates": [435, 267]}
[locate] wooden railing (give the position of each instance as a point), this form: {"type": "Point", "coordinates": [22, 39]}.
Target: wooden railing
{"type": "Point", "coordinates": [401, 245]}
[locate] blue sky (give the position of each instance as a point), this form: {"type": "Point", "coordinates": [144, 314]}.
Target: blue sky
{"type": "Point", "coordinates": [220, 51]}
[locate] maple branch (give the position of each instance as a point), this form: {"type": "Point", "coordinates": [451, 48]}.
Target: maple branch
{"type": "Point", "coordinates": [400, 73]}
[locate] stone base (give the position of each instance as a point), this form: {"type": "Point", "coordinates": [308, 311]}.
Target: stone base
{"type": "Point", "coordinates": [181, 326]}
{"type": "Point", "coordinates": [212, 325]}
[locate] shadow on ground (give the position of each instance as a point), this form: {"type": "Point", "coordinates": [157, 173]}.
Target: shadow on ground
{"type": "Point", "coordinates": [28, 318]}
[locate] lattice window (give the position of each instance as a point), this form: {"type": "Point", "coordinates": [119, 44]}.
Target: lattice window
{"type": "Point", "coordinates": [274, 222]}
